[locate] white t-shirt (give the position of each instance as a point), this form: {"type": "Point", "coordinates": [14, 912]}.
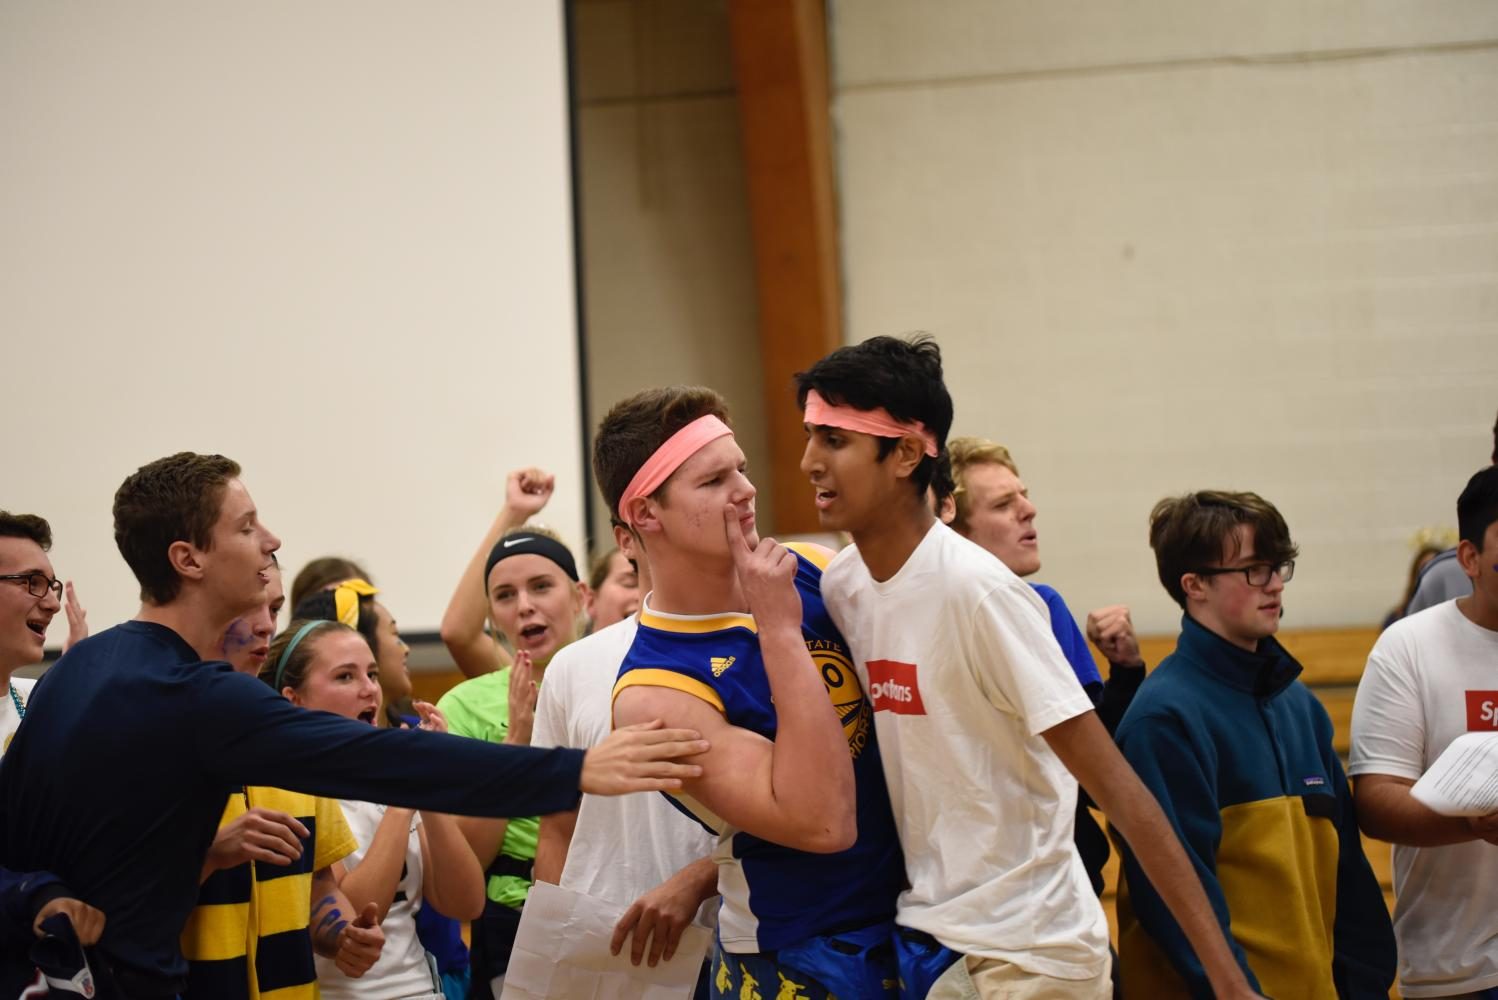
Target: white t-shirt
{"type": "Point", "coordinates": [575, 709]}
{"type": "Point", "coordinates": [1430, 678]}
{"type": "Point", "coordinates": [957, 655]}
{"type": "Point", "coordinates": [402, 969]}
{"type": "Point", "coordinates": [10, 719]}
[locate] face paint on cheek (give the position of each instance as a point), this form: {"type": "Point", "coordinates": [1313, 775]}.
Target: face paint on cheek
{"type": "Point", "coordinates": [238, 636]}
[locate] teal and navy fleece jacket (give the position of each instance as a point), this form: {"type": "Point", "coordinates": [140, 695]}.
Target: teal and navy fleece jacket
{"type": "Point", "coordinates": [1239, 753]}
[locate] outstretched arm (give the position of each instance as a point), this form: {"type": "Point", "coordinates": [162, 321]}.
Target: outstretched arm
{"type": "Point", "coordinates": [322, 754]}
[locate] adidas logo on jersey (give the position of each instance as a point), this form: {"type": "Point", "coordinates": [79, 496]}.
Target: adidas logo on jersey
{"type": "Point", "coordinates": [720, 664]}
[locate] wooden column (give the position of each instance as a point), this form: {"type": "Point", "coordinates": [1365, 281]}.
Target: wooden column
{"type": "Point", "coordinates": [780, 64]}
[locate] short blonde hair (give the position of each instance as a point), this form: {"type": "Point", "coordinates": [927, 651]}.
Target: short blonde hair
{"type": "Point", "coordinates": [545, 531]}
{"type": "Point", "coordinates": [965, 453]}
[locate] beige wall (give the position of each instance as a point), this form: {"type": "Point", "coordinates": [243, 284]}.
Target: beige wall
{"type": "Point", "coordinates": [332, 240]}
{"type": "Point", "coordinates": [1175, 245]}
{"type": "Point", "coordinates": [668, 271]}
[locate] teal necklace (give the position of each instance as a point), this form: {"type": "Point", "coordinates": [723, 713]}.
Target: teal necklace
{"type": "Point", "coordinates": [15, 696]}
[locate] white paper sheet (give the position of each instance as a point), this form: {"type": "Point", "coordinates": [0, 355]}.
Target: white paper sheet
{"type": "Point", "coordinates": [1464, 779]}
{"type": "Point", "coordinates": [562, 953]}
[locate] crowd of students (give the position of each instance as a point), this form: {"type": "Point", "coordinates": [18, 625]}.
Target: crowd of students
{"type": "Point", "coordinates": [867, 772]}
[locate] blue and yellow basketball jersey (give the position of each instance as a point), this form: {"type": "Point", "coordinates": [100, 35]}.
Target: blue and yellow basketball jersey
{"type": "Point", "coordinates": [776, 896]}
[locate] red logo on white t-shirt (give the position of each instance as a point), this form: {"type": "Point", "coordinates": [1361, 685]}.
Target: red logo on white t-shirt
{"type": "Point", "coordinates": [1482, 711]}
{"type": "Point", "coordinates": [893, 688]}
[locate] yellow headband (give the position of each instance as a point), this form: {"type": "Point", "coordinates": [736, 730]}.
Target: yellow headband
{"type": "Point", "coordinates": [346, 599]}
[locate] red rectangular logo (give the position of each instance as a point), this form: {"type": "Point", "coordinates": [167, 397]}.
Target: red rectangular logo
{"type": "Point", "coordinates": [893, 687]}
{"type": "Point", "coordinates": [1482, 711]}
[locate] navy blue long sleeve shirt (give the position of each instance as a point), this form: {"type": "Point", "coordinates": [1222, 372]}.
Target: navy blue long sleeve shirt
{"type": "Point", "coordinates": [118, 777]}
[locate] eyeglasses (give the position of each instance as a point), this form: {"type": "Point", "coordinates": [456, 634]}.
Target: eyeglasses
{"type": "Point", "coordinates": [1257, 575]}
{"type": "Point", "coordinates": [37, 584]}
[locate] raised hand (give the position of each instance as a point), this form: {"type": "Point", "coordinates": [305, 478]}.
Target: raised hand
{"type": "Point", "coordinates": [767, 575]}
{"type": "Point", "coordinates": [1111, 630]}
{"type": "Point", "coordinates": [432, 719]}
{"type": "Point", "coordinates": [527, 492]}
{"type": "Point", "coordinates": [258, 835]}
{"type": "Point", "coordinates": [77, 617]}
{"type": "Point", "coordinates": [360, 943]}
{"type": "Point", "coordinates": [643, 758]}
{"type": "Point", "coordinates": [523, 694]}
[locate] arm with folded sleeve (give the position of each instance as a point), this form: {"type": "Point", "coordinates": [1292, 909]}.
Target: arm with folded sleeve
{"type": "Point", "coordinates": [251, 735]}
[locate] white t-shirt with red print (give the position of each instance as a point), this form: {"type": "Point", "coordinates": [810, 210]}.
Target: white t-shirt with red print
{"type": "Point", "coordinates": [1430, 678]}
{"type": "Point", "coordinates": [958, 658]}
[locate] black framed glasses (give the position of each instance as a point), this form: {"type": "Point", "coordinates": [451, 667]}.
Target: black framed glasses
{"type": "Point", "coordinates": [1257, 575]}
{"type": "Point", "coordinates": [37, 584]}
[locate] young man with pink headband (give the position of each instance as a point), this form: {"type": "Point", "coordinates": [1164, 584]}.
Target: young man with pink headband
{"type": "Point", "coordinates": [980, 717]}
{"type": "Point", "coordinates": [734, 637]}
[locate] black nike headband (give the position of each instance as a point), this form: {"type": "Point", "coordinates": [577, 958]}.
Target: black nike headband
{"type": "Point", "coordinates": [520, 543]}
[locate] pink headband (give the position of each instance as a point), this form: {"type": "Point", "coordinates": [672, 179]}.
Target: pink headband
{"type": "Point", "coordinates": [876, 422]}
{"type": "Point", "coordinates": [668, 458]}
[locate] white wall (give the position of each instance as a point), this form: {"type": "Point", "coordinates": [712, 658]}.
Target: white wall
{"type": "Point", "coordinates": [1178, 245]}
{"type": "Point", "coordinates": [331, 240]}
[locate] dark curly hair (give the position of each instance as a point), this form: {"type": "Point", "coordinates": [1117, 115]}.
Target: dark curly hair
{"type": "Point", "coordinates": [26, 526]}
{"type": "Point", "coordinates": [903, 377]}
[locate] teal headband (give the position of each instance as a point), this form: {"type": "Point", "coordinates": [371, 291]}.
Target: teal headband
{"type": "Point", "coordinates": [301, 634]}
